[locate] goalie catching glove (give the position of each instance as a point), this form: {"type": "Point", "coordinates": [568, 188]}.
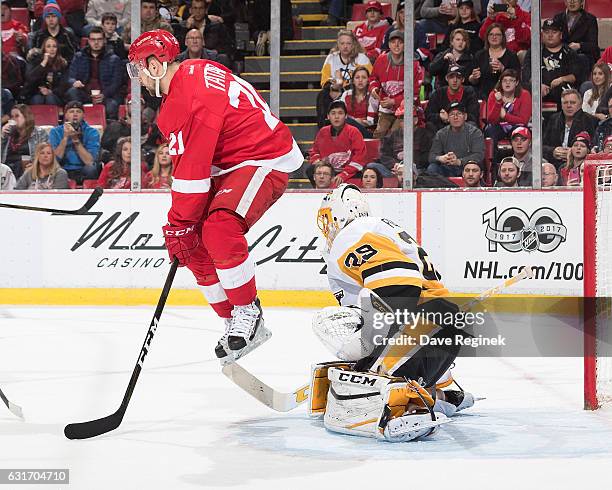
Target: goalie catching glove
{"type": "Point", "coordinates": [181, 241]}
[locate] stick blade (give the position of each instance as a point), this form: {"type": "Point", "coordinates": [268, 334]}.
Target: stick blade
{"type": "Point", "coordinates": [16, 409]}
{"type": "Point", "coordinates": [93, 428]}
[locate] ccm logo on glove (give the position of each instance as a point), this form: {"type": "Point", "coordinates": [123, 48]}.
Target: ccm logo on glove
{"type": "Point", "coordinates": [181, 241]}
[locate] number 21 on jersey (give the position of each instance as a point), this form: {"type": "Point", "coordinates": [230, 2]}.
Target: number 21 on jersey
{"type": "Point", "coordinates": [176, 145]}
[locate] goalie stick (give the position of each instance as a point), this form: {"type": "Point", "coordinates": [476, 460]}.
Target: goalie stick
{"type": "Point", "coordinates": [85, 430]}
{"type": "Point", "coordinates": [93, 198]}
{"type": "Point", "coordinates": [285, 402]}
{"type": "Point", "coordinates": [16, 409]}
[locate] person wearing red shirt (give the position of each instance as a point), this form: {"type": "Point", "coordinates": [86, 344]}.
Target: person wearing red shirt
{"type": "Point", "coordinates": [340, 144]}
{"type": "Point", "coordinates": [231, 159]}
{"type": "Point", "coordinates": [387, 83]}
{"type": "Point", "coordinates": [371, 33]}
{"type": "Point", "coordinates": [516, 23]}
{"type": "Point", "coordinates": [14, 33]}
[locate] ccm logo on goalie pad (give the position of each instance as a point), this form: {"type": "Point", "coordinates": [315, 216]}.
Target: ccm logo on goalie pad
{"type": "Point", "coordinates": [357, 379]}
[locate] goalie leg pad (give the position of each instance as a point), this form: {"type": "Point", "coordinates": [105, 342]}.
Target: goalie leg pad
{"type": "Point", "coordinates": [319, 386]}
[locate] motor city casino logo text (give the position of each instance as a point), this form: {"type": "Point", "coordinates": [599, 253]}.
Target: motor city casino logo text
{"type": "Point", "coordinates": [515, 230]}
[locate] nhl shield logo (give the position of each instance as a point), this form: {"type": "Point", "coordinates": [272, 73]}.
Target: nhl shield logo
{"type": "Point", "coordinates": [530, 240]}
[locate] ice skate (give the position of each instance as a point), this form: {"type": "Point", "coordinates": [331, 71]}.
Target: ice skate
{"type": "Point", "coordinates": [221, 348]}
{"type": "Point", "coordinates": [245, 332]}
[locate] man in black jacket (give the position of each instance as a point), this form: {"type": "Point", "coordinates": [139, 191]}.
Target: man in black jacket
{"type": "Point", "coordinates": [441, 98]}
{"type": "Point", "coordinates": [580, 32]}
{"type": "Point", "coordinates": [563, 127]}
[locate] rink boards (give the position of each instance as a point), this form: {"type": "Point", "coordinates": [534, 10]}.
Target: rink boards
{"type": "Point", "coordinates": [115, 253]}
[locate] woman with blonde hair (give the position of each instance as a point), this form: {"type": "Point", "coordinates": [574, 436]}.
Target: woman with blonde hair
{"type": "Point", "coordinates": [343, 59]}
{"type": "Point", "coordinates": [160, 176]}
{"type": "Point", "coordinates": [44, 173]}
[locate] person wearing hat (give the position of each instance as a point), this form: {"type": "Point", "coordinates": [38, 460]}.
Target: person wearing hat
{"type": "Point", "coordinates": [580, 31]}
{"type": "Point", "coordinates": [371, 33]}
{"type": "Point", "coordinates": [520, 139]}
{"type": "Point", "coordinates": [454, 91]}
{"type": "Point", "coordinates": [508, 173]}
{"type": "Point", "coordinates": [607, 145]}
{"type": "Point", "coordinates": [571, 172]}
{"type": "Point", "coordinates": [455, 144]}
{"type": "Point", "coordinates": [73, 14]}
{"type": "Point", "coordinates": [340, 144]}
{"type": "Point", "coordinates": [468, 20]}
{"type": "Point", "coordinates": [421, 45]}
{"type": "Point", "coordinates": [473, 173]}
{"type": "Point", "coordinates": [14, 33]}
{"type": "Point", "coordinates": [76, 144]}
{"type": "Point", "coordinates": [51, 27]}
{"type": "Point", "coordinates": [387, 83]}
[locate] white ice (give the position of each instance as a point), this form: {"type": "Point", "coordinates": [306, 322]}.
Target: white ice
{"type": "Point", "coordinates": [189, 427]}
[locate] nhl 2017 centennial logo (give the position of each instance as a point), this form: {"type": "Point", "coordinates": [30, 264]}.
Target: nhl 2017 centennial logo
{"type": "Point", "coordinates": [516, 231]}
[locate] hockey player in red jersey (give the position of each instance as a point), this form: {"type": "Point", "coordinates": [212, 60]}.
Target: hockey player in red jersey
{"type": "Point", "coordinates": [231, 158]}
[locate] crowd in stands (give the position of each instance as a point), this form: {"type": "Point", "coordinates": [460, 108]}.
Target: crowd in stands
{"type": "Point", "coordinates": [473, 84]}
{"type": "Point", "coordinates": [472, 89]}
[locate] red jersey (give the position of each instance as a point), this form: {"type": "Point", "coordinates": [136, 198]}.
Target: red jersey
{"type": "Point", "coordinates": [389, 78]}
{"type": "Point", "coordinates": [346, 151]}
{"type": "Point", "coordinates": [215, 123]}
{"type": "Point", "coordinates": [10, 28]}
{"type": "Point", "coordinates": [371, 38]}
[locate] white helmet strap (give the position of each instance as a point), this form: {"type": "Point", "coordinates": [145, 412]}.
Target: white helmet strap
{"type": "Point", "coordinates": [157, 79]}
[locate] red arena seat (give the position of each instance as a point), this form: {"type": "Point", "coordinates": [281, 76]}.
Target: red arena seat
{"type": "Point", "coordinates": [45, 115]}
{"type": "Point", "coordinates": [95, 115]}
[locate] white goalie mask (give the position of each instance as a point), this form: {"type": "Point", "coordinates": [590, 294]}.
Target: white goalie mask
{"type": "Point", "coordinates": [339, 208]}
{"type": "Point", "coordinates": [339, 329]}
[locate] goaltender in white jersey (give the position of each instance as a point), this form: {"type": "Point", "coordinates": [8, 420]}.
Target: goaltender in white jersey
{"type": "Point", "coordinates": [385, 386]}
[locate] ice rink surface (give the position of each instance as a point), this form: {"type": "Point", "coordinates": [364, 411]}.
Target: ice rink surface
{"type": "Point", "coordinates": [189, 427]}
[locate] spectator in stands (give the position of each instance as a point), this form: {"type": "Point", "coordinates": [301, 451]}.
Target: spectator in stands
{"type": "Point", "coordinates": [223, 12]}
{"type": "Point", "coordinates": [492, 61]}
{"type": "Point", "coordinates": [7, 178]}
{"type": "Point", "coordinates": [116, 174]}
{"type": "Point", "coordinates": [604, 129]}
{"type": "Point", "coordinates": [72, 10]}
{"type": "Point", "coordinates": [521, 150]}
{"type": "Point", "coordinates": [97, 9]}
{"type": "Point", "coordinates": [508, 107]}
{"type": "Point", "coordinates": [96, 75]}
{"type": "Point", "coordinates": [457, 54]}
{"type": "Point", "coordinates": [606, 57]}
{"type": "Point", "coordinates": [20, 137]}
{"type": "Point", "coordinates": [149, 20]}
{"type": "Point", "coordinates": [7, 104]}
{"type": "Point", "coordinates": [361, 107]}
{"type": "Point", "coordinates": [549, 175]}
{"type": "Point", "coordinates": [14, 33]}
{"type": "Point", "coordinates": [436, 15]}
{"type": "Point", "coordinates": [371, 33]}
{"type": "Point", "coordinates": [76, 144]}
{"type": "Point", "coordinates": [323, 173]}
{"type": "Point", "coordinates": [601, 78]}
{"type": "Point", "coordinates": [196, 50]}
{"type": "Point", "coordinates": [259, 21]}
{"type": "Point", "coordinates": [341, 144]}
{"type": "Point", "coordinates": [215, 33]}
{"type": "Point", "coordinates": [387, 83]}
{"type": "Point", "coordinates": [371, 179]}
{"type": "Point", "coordinates": [607, 145]}
{"type": "Point", "coordinates": [421, 45]}
{"type": "Point", "coordinates": [342, 60]}
{"type": "Point", "coordinates": [13, 70]}
{"type": "Point", "coordinates": [563, 127]}
{"type": "Point", "coordinates": [454, 91]}
{"type": "Point", "coordinates": [466, 19]}
{"type": "Point", "coordinates": [580, 33]}
{"type": "Point", "coordinates": [67, 42]}
{"type": "Point", "coordinates": [508, 173]}
{"type": "Point", "coordinates": [44, 173]}
{"type": "Point", "coordinates": [571, 172]}
{"type": "Point", "coordinates": [160, 176]}
{"type": "Point", "coordinates": [455, 144]}
{"type": "Point", "coordinates": [46, 78]}
{"type": "Point", "coordinates": [559, 63]}
{"type": "Point", "coordinates": [114, 42]}
{"type": "Point", "coordinates": [331, 91]}
{"type": "Point", "coordinates": [473, 174]}
{"type": "Point", "coordinates": [516, 24]}
{"type": "Point", "coordinates": [149, 132]}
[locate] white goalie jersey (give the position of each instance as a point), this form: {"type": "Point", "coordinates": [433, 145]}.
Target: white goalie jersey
{"type": "Point", "coordinates": [377, 254]}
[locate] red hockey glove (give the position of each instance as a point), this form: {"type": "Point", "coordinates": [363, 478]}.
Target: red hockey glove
{"type": "Point", "coordinates": [181, 241]}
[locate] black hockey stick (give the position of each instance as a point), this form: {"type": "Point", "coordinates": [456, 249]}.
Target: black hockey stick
{"type": "Point", "coordinates": [95, 195]}
{"type": "Point", "coordinates": [85, 430]}
{"type": "Point", "coordinates": [16, 409]}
